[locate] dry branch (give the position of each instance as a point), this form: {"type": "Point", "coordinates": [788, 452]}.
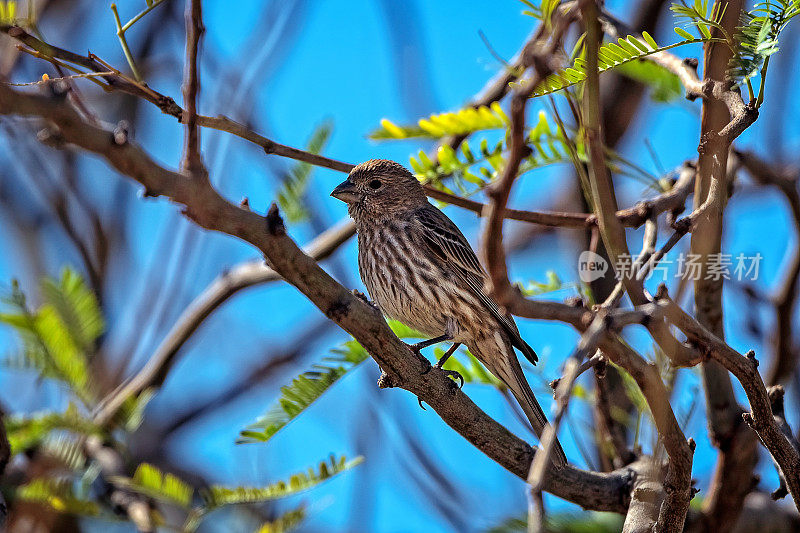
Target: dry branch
{"type": "Point", "coordinates": [209, 210]}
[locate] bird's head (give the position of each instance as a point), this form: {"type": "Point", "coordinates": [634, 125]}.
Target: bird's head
{"type": "Point", "coordinates": [380, 189]}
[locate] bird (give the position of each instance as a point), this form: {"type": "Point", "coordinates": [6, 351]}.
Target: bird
{"type": "Point", "coordinates": [420, 270]}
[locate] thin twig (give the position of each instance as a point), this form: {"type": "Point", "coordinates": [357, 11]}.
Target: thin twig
{"type": "Point", "coordinates": [192, 159]}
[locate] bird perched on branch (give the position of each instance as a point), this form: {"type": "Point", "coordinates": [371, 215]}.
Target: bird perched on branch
{"type": "Point", "coordinates": [420, 270]}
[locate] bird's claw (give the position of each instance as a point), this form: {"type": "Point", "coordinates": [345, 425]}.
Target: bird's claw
{"type": "Point", "coordinates": [419, 400]}
{"type": "Point", "coordinates": [363, 297]}
{"type": "Point", "coordinates": [454, 376]}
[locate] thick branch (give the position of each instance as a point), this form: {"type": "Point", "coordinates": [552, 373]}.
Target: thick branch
{"type": "Point", "coordinates": [242, 276]}
{"type": "Point", "coordinates": [209, 210]}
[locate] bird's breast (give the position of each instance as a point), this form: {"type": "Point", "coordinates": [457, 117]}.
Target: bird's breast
{"type": "Point", "coordinates": [404, 279]}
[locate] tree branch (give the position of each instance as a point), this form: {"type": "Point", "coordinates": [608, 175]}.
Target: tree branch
{"type": "Point", "coordinates": [242, 276]}
{"type": "Point", "coordinates": [760, 419]}
{"type": "Point", "coordinates": [402, 365]}
{"type": "Point", "coordinates": [192, 160]}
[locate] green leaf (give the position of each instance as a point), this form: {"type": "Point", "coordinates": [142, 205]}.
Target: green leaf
{"type": "Point", "coordinates": [665, 85]}
{"type": "Point", "coordinates": [462, 122]}
{"type": "Point", "coordinates": [58, 337]}
{"type": "Point", "coordinates": [154, 483]}
{"type": "Point", "coordinates": [306, 388]}
{"type": "Point", "coordinates": [66, 449]}
{"type": "Point", "coordinates": [553, 284]}
{"type": "Point", "coordinates": [291, 196]}
{"type": "Point", "coordinates": [76, 306]}
{"type": "Point", "coordinates": [684, 34]}
{"type": "Point", "coordinates": [132, 410]}
{"type": "Point", "coordinates": [8, 12]}
{"type": "Point", "coordinates": [611, 55]}
{"type": "Point", "coordinates": [757, 37]}
{"type": "Point", "coordinates": [26, 432]}
{"type": "Point", "coordinates": [217, 495]}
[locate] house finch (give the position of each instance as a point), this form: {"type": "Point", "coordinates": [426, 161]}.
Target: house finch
{"type": "Point", "coordinates": [420, 270]}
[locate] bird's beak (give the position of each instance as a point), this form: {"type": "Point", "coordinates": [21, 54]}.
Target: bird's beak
{"type": "Point", "coordinates": [346, 192]}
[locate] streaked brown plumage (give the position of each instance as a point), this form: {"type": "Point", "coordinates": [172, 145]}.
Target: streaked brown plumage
{"type": "Point", "coordinates": [420, 270]}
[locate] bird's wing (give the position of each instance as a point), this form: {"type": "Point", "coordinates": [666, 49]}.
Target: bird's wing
{"type": "Point", "coordinates": [447, 242]}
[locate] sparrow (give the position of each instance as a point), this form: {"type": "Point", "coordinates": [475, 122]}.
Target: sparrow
{"type": "Point", "coordinates": [419, 269]}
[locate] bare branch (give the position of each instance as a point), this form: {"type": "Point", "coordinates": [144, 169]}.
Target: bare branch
{"type": "Point", "coordinates": [745, 369]}
{"type": "Point", "coordinates": [242, 276]}
{"type": "Point", "coordinates": [785, 358]}
{"type": "Point", "coordinates": [192, 160]}
{"type": "Point", "coordinates": [402, 365]}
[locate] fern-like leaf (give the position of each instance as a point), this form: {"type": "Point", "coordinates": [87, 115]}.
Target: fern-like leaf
{"type": "Point", "coordinates": [8, 12]}
{"type": "Point", "coordinates": [217, 495]}
{"type": "Point", "coordinates": [58, 337]}
{"type": "Point", "coordinates": [757, 36]}
{"type": "Point", "coordinates": [553, 284]}
{"type": "Point", "coordinates": [162, 486]}
{"type": "Point", "coordinates": [703, 16]}
{"type": "Point", "coordinates": [26, 432]}
{"type": "Point", "coordinates": [65, 449]}
{"type": "Point", "coordinates": [462, 122]}
{"type": "Point", "coordinates": [610, 56]}
{"type": "Point", "coordinates": [290, 197]}
{"type": "Point", "coordinates": [306, 388]}
{"type": "Point", "coordinates": [469, 167]}
{"type": "Point", "coordinates": [76, 306]}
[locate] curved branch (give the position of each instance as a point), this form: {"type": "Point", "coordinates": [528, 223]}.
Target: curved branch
{"type": "Point", "coordinates": [242, 276]}
{"type": "Point", "coordinates": [203, 204]}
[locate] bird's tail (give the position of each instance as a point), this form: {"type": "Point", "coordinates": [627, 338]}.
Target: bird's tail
{"type": "Point", "coordinates": [522, 392]}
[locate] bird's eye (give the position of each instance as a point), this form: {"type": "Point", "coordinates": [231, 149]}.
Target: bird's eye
{"type": "Point", "coordinates": [375, 184]}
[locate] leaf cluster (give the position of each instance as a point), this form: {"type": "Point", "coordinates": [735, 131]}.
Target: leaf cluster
{"type": "Point", "coordinates": [291, 198]}
{"type": "Point", "coordinates": [58, 338]}
{"type": "Point", "coordinates": [307, 388]}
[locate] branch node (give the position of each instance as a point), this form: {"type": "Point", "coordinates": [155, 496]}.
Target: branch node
{"type": "Point", "coordinates": [338, 310]}
{"type": "Point", "coordinates": [245, 203]}
{"type": "Point", "coordinates": [683, 225]}
{"type": "Point", "coordinates": [57, 89]}
{"type": "Point", "coordinates": [574, 301]}
{"type": "Point", "coordinates": [385, 382]}
{"type": "Point", "coordinates": [274, 221]}
{"type": "Point", "coordinates": [50, 136]}
{"type": "Point", "coordinates": [751, 356]}
{"type": "Point", "coordinates": [776, 394]}
{"type": "Point", "coordinates": [692, 444]}
{"type": "Point", "coordinates": [662, 293]}
{"type": "Point", "coordinates": [121, 133]}
{"type": "Point", "coordinates": [600, 368]}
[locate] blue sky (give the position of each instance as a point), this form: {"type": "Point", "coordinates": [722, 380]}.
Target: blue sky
{"type": "Point", "coordinates": [345, 63]}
